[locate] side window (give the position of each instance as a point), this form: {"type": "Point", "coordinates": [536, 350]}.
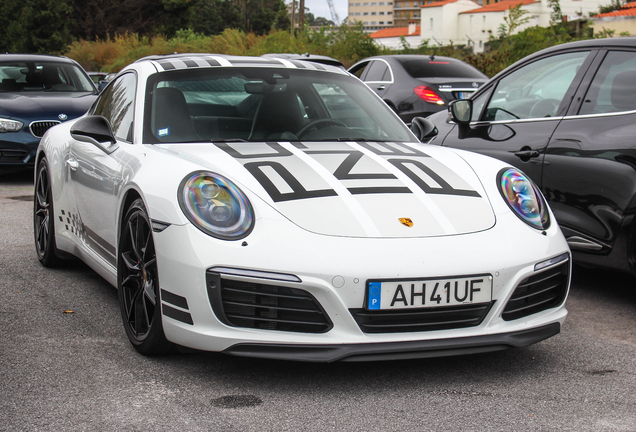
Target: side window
{"type": "Point", "coordinates": [360, 69]}
{"type": "Point", "coordinates": [613, 88]}
{"type": "Point", "coordinates": [117, 104]}
{"type": "Point", "coordinates": [536, 90]}
{"type": "Point", "coordinates": [478, 104]}
{"type": "Point", "coordinates": [378, 71]}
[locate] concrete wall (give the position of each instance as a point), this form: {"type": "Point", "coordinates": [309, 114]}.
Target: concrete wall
{"type": "Point", "coordinates": [618, 24]}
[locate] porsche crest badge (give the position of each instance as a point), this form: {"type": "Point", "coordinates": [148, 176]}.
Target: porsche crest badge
{"type": "Point", "coordinates": [406, 222]}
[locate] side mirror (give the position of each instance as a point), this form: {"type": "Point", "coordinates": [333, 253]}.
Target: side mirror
{"type": "Point", "coordinates": [95, 130]}
{"type": "Point", "coordinates": [461, 111]}
{"type": "Point", "coordinates": [423, 129]}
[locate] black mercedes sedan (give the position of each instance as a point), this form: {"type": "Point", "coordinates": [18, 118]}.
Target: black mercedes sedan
{"type": "Point", "coordinates": [36, 93]}
{"type": "Point", "coordinates": [566, 116]}
{"type": "Point", "coordinates": [418, 85]}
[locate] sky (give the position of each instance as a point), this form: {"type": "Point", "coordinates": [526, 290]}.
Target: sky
{"type": "Point", "coordinates": [320, 8]}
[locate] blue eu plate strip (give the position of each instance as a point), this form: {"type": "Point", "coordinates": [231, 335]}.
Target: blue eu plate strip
{"type": "Point", "coordinates": [375, 294]}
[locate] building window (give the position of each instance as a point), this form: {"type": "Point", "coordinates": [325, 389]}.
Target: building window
{"type": "Point", "coordinates": [389, 13]}
{"type": "Point", "coordinates": [365, 13]}
{"type": "Point", "coordinates": [372, 13]}
{"type": "Point", "coordinates": [390, 4]}
{"type": "Point", "coordinates": [381, 22]}
{"type": "Point", "coordinates": [380, 13]}
{"type": "Point", "coordinates": [389, 22]}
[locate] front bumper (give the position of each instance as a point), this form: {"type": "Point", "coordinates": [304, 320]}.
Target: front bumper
{"type": "Point", "coordinates": [334, 271]}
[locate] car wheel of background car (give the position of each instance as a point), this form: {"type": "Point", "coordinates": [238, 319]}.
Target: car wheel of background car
{"type": "Point", "coordinates": [138, 283]}
{"type": "Point", "coordinates": [319, 124]}
{"type": "Point", "coordinates": [43, 215]}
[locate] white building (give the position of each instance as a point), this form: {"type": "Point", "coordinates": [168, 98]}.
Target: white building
{"type": "Point", "coordinates": [392, 37]}
{"type": "Point", "coordinates": [464, 22]}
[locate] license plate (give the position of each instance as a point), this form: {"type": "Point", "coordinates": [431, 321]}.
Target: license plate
{"type": "Point", "coordinates": [464, 95]}
{"type": "Point", "coordinates": [408, 294]}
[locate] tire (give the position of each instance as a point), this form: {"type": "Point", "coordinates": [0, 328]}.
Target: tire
{"type": "Point", "coordinates": [44, 218]}
{"type": "Point", "coordinates": [138, 284]}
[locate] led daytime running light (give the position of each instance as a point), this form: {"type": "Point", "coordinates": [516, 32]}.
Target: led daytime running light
{"type": "Point", "coordinates": [524, 197]}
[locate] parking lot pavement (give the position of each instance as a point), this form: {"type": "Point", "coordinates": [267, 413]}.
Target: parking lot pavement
{"type": "Point", "coordinates": [66, 365]}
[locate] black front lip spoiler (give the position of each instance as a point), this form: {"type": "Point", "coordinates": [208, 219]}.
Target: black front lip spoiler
{"type": "Point", "coordinates": [396, 350]}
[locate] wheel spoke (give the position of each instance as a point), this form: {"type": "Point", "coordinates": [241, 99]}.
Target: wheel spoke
{"type": "Point", "coordinates": [131, 263]}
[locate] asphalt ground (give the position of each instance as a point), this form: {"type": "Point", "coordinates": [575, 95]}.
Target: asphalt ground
{"type": "Point", "coordinates": [66, 365]}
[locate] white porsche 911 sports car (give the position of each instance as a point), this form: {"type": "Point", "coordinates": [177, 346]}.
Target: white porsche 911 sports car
{"type": "Point", "coordinates": [279, 209]}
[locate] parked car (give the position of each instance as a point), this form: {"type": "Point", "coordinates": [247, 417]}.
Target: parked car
{"type": "Point", "coordinates": [97, 76]}
{"type": "Point", "coordinates": [36, 93]}
{"type": "Point", "coordinates": [418, 85]}
{"type": "Point", "coordinates": [307, 57]}
{"type": "Point", "coordinates": [565, 116]}
{"type": "Point", "coordinates": [281, 210]}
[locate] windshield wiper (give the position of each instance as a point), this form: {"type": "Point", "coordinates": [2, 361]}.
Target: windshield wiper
{"type": "Point", "coordinates": [358, 139]}
{"type": "Point", "coordinates": [228, 140]}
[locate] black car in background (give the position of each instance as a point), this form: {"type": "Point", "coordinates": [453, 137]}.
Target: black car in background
{"type": "Point", "coordinates": [36, 93]}
{"type": "Point", "coordinates": [566, 116]}
{"type": "Point", "coordinates": [418, 85]}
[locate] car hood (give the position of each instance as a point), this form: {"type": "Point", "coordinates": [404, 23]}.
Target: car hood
{"type": "Point", "coordinates": [44, 106]}
{"type": "Point", "coordinates": [354, 189]}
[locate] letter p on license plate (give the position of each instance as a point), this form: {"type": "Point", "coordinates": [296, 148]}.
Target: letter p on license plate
{"type": "Point", "coordinates": [406, 294]}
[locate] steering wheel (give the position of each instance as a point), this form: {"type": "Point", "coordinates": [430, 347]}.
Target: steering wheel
{"type": "Point", "coordinates": [544, 108]}
{"type": "Point", "coordinates": [318, 124]}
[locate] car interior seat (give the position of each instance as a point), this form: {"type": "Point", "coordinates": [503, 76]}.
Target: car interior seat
{"type": "Point", "coordinates": [623, 94]}
{"type": "Point", "coordinates": [172, 121]}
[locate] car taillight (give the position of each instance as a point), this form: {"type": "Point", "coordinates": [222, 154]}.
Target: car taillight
{"type": "Point", "coordinates": [427, 94]}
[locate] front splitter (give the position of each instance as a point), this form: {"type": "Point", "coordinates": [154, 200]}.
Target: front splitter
{"type": "Point", "coordinates": [396, 350]}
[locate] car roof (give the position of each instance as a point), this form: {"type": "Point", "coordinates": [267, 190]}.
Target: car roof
{"type": "Point", "coordinates": [34, 57]}
{"type": "Point", "coordinates": [621, 42]}
{"type": "Point", "coordinates": [400, 57]}
{"type": "Point", "coordinates": [202, 60]}
{"type": "Point", "coordinates": [308, 57]}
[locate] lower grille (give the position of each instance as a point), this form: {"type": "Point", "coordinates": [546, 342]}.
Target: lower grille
{"type": "Point", "coordinates": [539, 292]}
{"type": "Point", "coordinates": [266, 307]}
{"type": "Point", "coordinates": [39, 127]}
{"type": "Point", "coordinates": [7, 155]}
{"type": "Point", "coordinates": [425, 319]}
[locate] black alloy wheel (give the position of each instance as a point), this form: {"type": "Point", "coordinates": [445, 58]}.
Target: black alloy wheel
{"type": "Point", "coordinates": [138, 283]}
{"type": "Point", "coordinates": [43, 217]}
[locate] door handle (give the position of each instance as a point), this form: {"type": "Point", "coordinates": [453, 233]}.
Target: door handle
{"type": "Point", "coordinates": [381, 87]}
{"type": "Point", "coordinates": [73, 164]}
{"type": "Point", "coordinates": [527, 154]}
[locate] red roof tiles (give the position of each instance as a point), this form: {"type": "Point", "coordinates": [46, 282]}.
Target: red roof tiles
{"type": "Point", "coordinates": [501, 6]}
{"type": "Point", "coordinates": [395, 32]}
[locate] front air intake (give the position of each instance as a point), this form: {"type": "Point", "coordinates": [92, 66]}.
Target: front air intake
{"type": "Point", "coordinates": [541, 291]}
{"type": "Point", "coordinates": [265, 306]}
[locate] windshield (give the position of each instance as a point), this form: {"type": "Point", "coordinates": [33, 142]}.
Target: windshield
{"type": "Point", "coordinates": [20, 76]}
{"type": "Point", "coordinates": [439, 68]}
{"type": "Point", "coordinates": [249, 104]}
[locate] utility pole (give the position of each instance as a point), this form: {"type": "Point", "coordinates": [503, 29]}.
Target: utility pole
{"type": "Point", "coordinates": [301, 15]}
{"type": "Point", "coordinates": [293, 14]}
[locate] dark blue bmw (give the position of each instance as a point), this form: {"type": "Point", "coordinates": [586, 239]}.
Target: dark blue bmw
{"type": "Point", "coordinates": [36, 93]}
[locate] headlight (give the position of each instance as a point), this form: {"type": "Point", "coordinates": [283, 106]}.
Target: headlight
{"type": "Point", "coordinates": [524, 197]}
{"type": "Point", "coordinates": [10, 125]}
{"type": "Point", "coordinates": [216, 206]}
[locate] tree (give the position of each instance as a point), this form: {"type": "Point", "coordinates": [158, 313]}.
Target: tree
{"type": "Point", "coordinates": [556, 16]}
{"type": "Point", "coordinates": [36, 26]}
{"type": "Point", "coordinates": [515, 19]}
